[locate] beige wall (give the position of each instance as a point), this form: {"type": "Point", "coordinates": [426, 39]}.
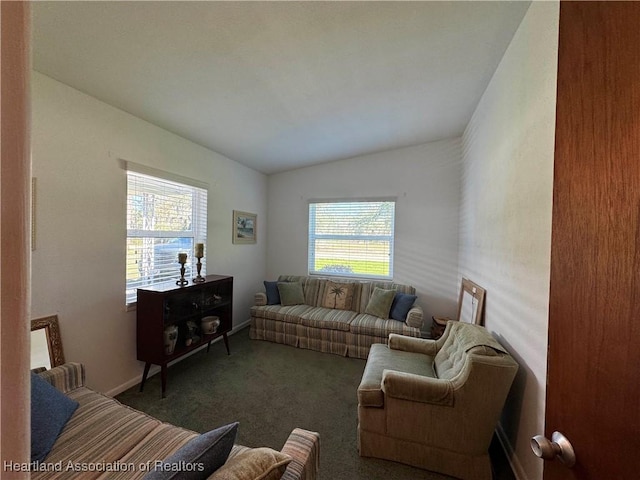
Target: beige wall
{"type": "Point", "coordinates": [425, 180]}
{"type": "Point", "coordinates": [79, 263]}
{"type": "Point", "coordinates": [505, 220]}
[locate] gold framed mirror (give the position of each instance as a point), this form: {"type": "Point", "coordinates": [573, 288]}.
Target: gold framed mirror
{"type": "Point", "coordinates": [46, 343]}
{"type": "Point", "coordinates": [471, 302]}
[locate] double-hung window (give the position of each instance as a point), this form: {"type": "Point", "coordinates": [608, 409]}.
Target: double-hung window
{"type": "Point", "coordinates": [166, 215]}
{"type": "Point", "coordinates": [352, 238]}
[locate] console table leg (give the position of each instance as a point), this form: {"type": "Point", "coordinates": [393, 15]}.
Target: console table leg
{"type": "Point", "coordinates": [208, 346]}
{"type": "Point", "coordinates": [226, 343]}
{"type": "Point", "coordinates": [147, 365]}
{"type": "Point", "coordinates": [163, 377]}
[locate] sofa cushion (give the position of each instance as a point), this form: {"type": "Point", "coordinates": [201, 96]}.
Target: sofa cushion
{"type": "Point", "coordinates": [382, 358]}
{"type": "Point", "coordinates": [291, 293]}
{"type": "Point", "coordinates": [199, 457]}
{"type": "Point", "coordinates": [329, 318]}
{"type": "Point", "coordinates": [380, 302]}
{"type": "Point", "coordinates": [273, 294]}
{"type": "Point", "coordinates": [379, 327]}
{"type": "Point", "coordinates": [161, 442]}
{"type": "Point", "coordinates": [338, 295]}
{"type": "Point", "coordinates": [101, 430]}
{"type": "Point", "coordinates": [287, 314]}
{"type": "Point", "coordinates": [256, 464]}
{"type": "Point", "coordinates": [402, 303]}
{"type": "Point", "coordinates": [50, 411]}
{"type": "Point", "coordinates": [310, 286]}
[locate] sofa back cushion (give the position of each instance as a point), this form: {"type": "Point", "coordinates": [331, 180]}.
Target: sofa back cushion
{"type": "Point", "coordinates": [315, 288]}
{"type": "Point", "coordinates": [338, 295]}
{"type": "Point", "coordinates": [291, 293]}
{"type": "Point", "coordinates": [50, 411]}
{"type": "Point", "coordinates": [310, 287]}
{"type": "Point", "coordinates": [367, 289]}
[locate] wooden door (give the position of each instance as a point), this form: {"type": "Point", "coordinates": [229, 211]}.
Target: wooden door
{"type": "Point", "coordinates": [593, 394]}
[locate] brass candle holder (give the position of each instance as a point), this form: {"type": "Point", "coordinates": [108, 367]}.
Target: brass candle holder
{"type": "Point", "coordinates": [199, 254]}
{"type": "Point", "coordinates": [199, 278]}
{"type": "Point", "coordinates": [182, 259]}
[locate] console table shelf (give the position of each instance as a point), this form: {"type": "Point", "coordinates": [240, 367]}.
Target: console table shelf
{"type": "Point", "coordinates": [167, 305]}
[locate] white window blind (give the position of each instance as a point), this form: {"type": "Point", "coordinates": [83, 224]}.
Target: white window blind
{"type": "Point", "coordinates": [351, 238]}
{"type": "Point", "coordinates": [164, 218]}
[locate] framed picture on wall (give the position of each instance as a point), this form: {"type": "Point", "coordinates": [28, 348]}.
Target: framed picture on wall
{"type": "Point", "coordinates": [245, 227]}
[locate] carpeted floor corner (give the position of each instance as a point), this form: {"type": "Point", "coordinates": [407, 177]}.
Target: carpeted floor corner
{"type": "Point", "coordinates": [271, 389]}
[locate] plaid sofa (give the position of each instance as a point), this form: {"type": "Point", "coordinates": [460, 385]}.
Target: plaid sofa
{"type": "Point", "coordinates": [342, 332]}
{"type": "Point", "coordinates": [102, 431]}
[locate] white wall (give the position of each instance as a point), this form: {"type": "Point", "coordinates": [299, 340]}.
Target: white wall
{"type": "Point", "coordinates": [426, 181]}
{"type": "Point", "coordinates": [505, 224]}
{"type": "Point", "coordinates": [79, 262]}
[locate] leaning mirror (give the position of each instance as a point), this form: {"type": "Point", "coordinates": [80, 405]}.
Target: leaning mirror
{"type": "Point", "coordinates": [470, 302]}
{"type": "Point", "coordinates": [46, 343]}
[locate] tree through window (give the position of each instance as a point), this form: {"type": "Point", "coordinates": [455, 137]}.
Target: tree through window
{"type": "Point", "coordinates": [164, 218]}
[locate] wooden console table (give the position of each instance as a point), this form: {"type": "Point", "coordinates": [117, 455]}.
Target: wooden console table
{"type": "Point", "coordinates": [166, 306]}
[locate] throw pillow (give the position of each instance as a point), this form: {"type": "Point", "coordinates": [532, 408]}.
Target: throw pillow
{"type": "Point", "coordinates": [338, 295]}
{"type": "Point", "coordinates": [291, 293]}
{"type": "Point", "coordinates": [199, 458]}
{"type": "Point", "coordinates": [50, 411]}
{"type": "Point", "coordinates": [401, 305]}
{"type": "Point", "coordinates": [380, 302]}
{"type": "Point", "coordinates": [273, 295]}
{"type": "Point", "coordinates": [255, 464]}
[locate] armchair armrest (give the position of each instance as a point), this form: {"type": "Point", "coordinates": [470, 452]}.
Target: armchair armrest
{"type": "Point", "coordinates": [412, 344]}
{"type": "Point", "coordinates": [417, 388]}
{"type": "Point", "coordinates": [260, 299]}
{"type": "Point", "coordinates": [415, 317]}
{"type": "Point", "coordinates": [304, 447]}
{"type": "Point", "coordinates": [65, 377]}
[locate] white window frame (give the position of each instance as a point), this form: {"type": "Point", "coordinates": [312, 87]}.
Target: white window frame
{"type": "Point", "coordinates": [198, 232]}
{"type": "Point", "coordinates": [313, 236]}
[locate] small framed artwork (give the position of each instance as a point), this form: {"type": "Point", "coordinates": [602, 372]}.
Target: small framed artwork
{"type": "Point", "coordinates": [245, 227]}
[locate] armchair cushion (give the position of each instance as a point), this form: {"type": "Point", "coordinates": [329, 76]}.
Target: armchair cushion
{"type": "Point", "coordinates": [382, 358]}
{"type": "Point", "coordinates": [413, 344]}
{"type": "Point", "coordinates": [463, 338]}
{"type": "Point", "coordinates": [417, 388]}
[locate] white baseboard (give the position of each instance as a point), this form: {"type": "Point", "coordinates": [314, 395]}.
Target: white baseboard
{"type": "Point", "coordinates": [156, 369]}
{"type": "Point", "coordinates": [514, 463]}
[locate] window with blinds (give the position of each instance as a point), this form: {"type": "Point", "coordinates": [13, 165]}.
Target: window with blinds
{"type": "Point", "coordinates": [352, 238]}
{"type": "Point", "coordinates": [164, 218]}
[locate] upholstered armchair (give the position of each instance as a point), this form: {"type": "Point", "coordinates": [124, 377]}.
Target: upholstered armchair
{"type": "Point", "coordinates": [434, 404]}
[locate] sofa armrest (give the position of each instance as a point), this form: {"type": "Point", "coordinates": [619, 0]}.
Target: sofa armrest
{"type": "Point", "coordinates": [412, 344]}
{"type": "Point", "coordinates": [417, 388]}
{"type": "Point", "coordinates": [65, 377]}
{"type": "Point", "coordinates": [304, 447]}
{"type": "Point", "coordinates": [260, 299]}
{"type": "Point", "coordinates": [415, 317]}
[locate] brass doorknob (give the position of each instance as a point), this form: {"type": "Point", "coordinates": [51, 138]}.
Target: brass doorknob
{"type": "Point", "coordinates": [558, 447]}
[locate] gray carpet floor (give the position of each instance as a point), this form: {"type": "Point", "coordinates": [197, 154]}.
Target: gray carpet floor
{"type": "Point", "coordinates": [271, 389]}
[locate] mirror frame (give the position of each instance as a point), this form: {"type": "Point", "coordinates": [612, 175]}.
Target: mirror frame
{"type": "Point", "coordinates": [54, 340]}
{"type": "Point", "coordinates": [477, 292]}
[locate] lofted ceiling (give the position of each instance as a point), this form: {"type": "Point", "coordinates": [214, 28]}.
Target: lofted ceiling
{"type": "Point", "coordinates": [282, 85]}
